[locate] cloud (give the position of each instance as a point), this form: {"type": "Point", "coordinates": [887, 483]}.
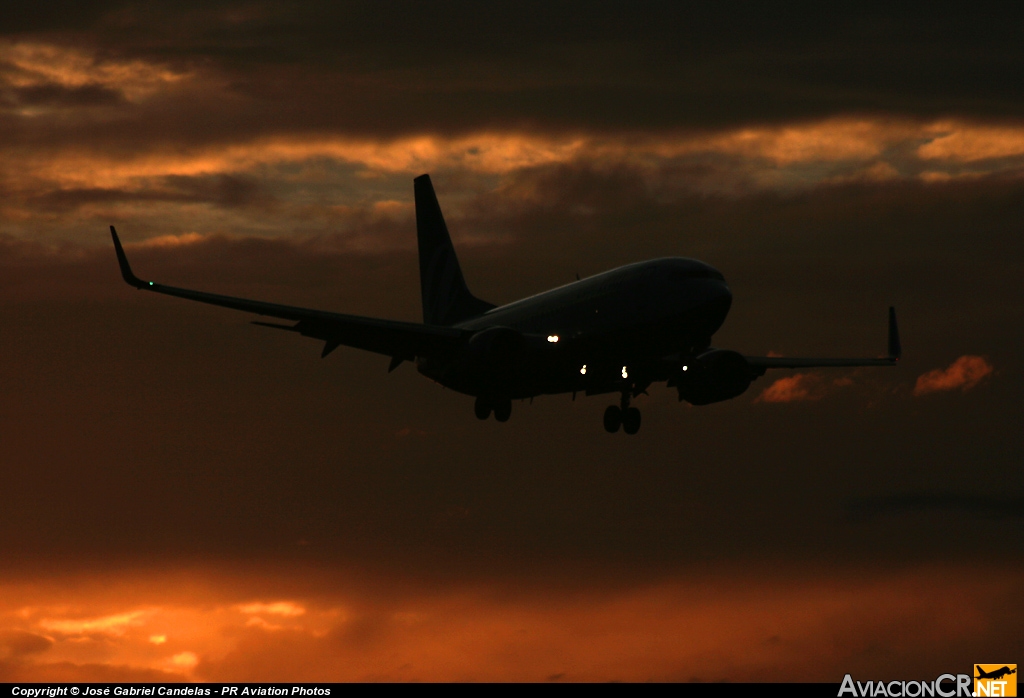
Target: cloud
{"type": "Point", "coordinates": [49, 74]}
{"type": "Point", "coordinates": [117, 624]}
{"type": "Point", "coordinates": [979, 505]}
{"type": "Point", "coordinates": [799, 387]}
{"type": "Point", "coordinates": [964, 373]}
{"type": "Point", "coordinates": [184, 661]}
{"type": "Point", "coordinates": [711, 624]}
{"type": "Point", "coordinates": [288, 609]}
{"type": "Point", "coordinates": [19, 643]}
{"type": "Point", "coordinates": [967, 143]}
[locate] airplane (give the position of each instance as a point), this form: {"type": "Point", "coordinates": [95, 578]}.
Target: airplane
{"type": "Point", "coordinates": [994, 674]}
{"type": "Point", "coordinates": [617, 332]}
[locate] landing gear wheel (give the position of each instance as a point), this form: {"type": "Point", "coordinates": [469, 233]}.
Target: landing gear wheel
{"type": "Point", "coordinates": [631, 420]}
{"type": "Point", "coordinates": [612, 419]}
{"type": "Point", "coordinates": [502, 410]}
{"type": "Point", "coordinates": [482, 408]}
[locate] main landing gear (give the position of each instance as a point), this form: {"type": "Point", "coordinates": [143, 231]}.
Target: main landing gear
{"type": "Point", "coordinates": [501, 407]}
{"type": "Point", "coordinates": [622, 415]}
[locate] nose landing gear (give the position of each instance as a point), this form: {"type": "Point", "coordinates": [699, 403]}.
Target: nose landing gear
{"type": "Point", "coordinates": [622, 415]}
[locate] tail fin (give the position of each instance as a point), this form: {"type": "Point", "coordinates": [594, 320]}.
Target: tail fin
{"type": "Point", "coordinates": [446, 300]}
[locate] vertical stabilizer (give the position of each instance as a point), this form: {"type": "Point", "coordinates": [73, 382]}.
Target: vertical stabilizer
{"type": "Point", "coordinates": [446, 300]}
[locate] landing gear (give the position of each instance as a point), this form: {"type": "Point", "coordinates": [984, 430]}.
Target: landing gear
{"type": "Point", "coordinates": [631, 420]}
{"type": "Point", "coordinates": [612, 419]}
{"type": "Point", "coordinates": [622, 416]}
{"type": "Point", "coordinates": [502, 408]}
{"type": "Point", "coordinates": [482, 408]}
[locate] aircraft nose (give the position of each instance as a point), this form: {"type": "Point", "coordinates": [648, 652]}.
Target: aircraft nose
{"type": "Point", "coordinates": [724, 292]}
{"type": "Point", "coordinates": [722, 297]}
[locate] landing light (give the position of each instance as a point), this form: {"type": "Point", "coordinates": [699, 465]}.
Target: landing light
{"type": "Point", "coordinates": [625, 373]}
{"type": "Point", "coordinates": [552, 338]}
{"type": "Point", "coordinates": [583, 371]}
{"type": "Point", "coordinates": [685, 367]}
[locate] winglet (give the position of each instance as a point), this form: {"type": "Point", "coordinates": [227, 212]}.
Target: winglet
{"type": "Point", "coordinates": [895, 350]}
{"type": "Point", "coordinates": [122, 260]}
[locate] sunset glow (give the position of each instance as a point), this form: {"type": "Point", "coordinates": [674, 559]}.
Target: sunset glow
{"type": "Point", "coordinates": [188, 496]}
{"type": "Point", "coordinates": [777, 628]}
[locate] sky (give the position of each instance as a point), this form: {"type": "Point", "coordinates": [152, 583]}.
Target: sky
{"type": "Point", "coordinates": [185, 496]}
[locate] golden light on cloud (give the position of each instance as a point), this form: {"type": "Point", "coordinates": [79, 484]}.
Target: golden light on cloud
{"type": "Point", "coordinates": [166, 178]}
{"type": "Point", "coordinates": [796, 388]}
{"type": "Point", "coordinates": [117, 624]}
{"type": "Point", "coordinates": [963, 374]}
{"type": "Point", "coordinates": [164, 241]}
{"type": "Point", "coordinates": [28, 64]}
{"type": "Point", "coordinates": [969, 143]}
{"type": "Point", "coordinates": [713, 626]}
{"type": "Point", "coordinates": [825, 141]}
{"type": "Point", "coordinates": [858, 144]}
{"type": "Point", "coordinates": [185, 660]}
{"type": "Point", "coordinates": [278, 608]}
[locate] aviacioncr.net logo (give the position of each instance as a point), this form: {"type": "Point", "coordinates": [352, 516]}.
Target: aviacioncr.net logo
{"type": "Point", "coordinates": [945, 686]}
{"type": "Point", "coordinates": [995, 680]}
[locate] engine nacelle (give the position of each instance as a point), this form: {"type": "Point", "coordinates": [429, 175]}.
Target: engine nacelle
{"type": "Point", "coordinates": [495, 348]}
{"type": "Point", "coordinates": [713, 376]}
{"type": "Point", "coordinates": [497, 361]}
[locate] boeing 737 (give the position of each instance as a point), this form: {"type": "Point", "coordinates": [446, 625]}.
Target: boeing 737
{"type": "Point", "coordinates": [616, 332]}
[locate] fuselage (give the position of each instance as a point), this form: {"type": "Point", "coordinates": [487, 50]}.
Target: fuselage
{"type": "Point", "coordinates": [585, 335]}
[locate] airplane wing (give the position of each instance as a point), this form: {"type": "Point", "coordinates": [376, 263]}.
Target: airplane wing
{"type": "Point", "coordinates": [762, 363]}
{"type": "Point", "coordinates": [403, 341]}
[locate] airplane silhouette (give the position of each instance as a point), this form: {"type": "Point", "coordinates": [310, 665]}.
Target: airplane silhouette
{"type": "Point", "coordinates": [616, 332]}
{"type": "Point", "coordinates": [995, 673]}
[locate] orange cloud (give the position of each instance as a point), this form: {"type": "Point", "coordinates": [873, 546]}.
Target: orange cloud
{"type": "Point", "coordinates": [964, 373]}
{"type": "Point", "coordinates": [116, 624]}
{"type": "Point", "coordinates": [860, 142]}
{"type": "Point", "coordinates": [162, 241]}
{"type": "Point", "coordinates": [27, 64]}
{"type": "Point", "coordinates": [278, 608]}
{"type": "Point", "coordinates": [969, 143]}
{"type": "Point", "coordinates": [795, 388]}
{"type": "Point", "coordinates": [823, 141]}
{"type": "Point", "coordinates": [719, 625]}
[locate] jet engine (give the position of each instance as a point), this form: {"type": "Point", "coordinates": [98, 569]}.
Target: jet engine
{"type": "Point", "coordinates": [495, 348]}
{"type": "Point", "coordinates": [713, 376]}
{"type": "Point", "coordinates": [500, 361]}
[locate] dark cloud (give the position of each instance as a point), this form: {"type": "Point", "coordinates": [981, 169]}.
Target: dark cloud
{"type": "Point", "coordinates": [54, 95]}
{"type": "Point", "coordinates": [15, 643]}
{"type": "Point", "coordinates": [451, 67]}
{"type": "Point", "coordinates": [992, 506]}
{"type": "Point", "coordinates": [227, 191]}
